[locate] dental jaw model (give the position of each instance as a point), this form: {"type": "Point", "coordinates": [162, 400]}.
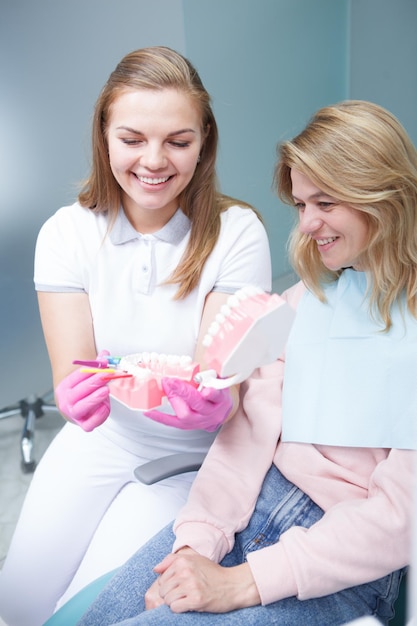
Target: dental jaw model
{"type": "Point", "coordinates": [250, 330]}
{"type": "Point", "coordinates": [143, 389]}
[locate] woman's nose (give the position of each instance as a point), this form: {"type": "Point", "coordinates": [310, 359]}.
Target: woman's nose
{"type": "Point", "coordinates": [153, 157]}
{"type": "Point", "coordinates": [310, 220]}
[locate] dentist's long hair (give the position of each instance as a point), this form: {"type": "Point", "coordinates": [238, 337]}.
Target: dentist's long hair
{"type": "Point", "coordinates": [159, 68]}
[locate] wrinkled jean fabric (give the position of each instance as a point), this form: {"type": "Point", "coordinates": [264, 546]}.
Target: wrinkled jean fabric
{"type": "Point", "coordinates": [280, 506]}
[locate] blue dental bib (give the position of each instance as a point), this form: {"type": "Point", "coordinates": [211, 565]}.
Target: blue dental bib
{"type": "Point", "coordinates": [348, 383]}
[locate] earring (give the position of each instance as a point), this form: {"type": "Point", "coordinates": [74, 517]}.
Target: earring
{"type": "Point", "coordinates": [199, 158]}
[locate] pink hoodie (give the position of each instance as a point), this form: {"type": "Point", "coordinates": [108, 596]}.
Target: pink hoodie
{"type": "Point", "coordinates": [367, 496]}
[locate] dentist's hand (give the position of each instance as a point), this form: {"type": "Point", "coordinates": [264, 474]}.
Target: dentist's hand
{"type": "Point", "coordinates": [83, 398]}
{"type": "Point", "coordinates": [204, 410]}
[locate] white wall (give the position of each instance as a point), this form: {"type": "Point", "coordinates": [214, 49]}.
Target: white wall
{"type": "Point", "coordinates": [383, 57]}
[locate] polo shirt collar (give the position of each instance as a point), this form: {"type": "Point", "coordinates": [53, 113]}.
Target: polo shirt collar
{"type": "Point", "coordinates": [173, 232]}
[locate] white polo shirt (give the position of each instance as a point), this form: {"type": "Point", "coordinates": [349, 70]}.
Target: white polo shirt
{"type": "Point", "coordinates": [123, 272]}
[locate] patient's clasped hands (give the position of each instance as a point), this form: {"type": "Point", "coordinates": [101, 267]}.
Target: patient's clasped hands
{"type": "Point", "coordinates": [188, 581]}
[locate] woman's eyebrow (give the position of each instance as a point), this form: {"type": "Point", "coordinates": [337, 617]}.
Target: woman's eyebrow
{"type": "Point", "coordinates": [314, 196]}
{"type": "Point", "coordinates": [130, 130]}
{"type": "Point", "coordinates": [180, 132]}
{"type": "Point", "coordinates": [172, 134]}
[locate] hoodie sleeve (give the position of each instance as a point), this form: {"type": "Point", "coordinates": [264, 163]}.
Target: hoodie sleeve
{"type": "Point", "coordinates": [224, 493]}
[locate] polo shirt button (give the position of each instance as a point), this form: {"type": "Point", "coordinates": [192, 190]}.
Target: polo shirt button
{"type": "Point", "coordinates": [144, 268]}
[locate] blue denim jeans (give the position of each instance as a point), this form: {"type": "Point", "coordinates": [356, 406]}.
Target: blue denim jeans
{"type": "Point", "coordinates": [280, 506]}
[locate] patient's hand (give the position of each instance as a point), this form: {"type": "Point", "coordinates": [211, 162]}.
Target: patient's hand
{"type": "Point", "coordinates": [191, 582]}
{"type": "Point", "coordinates": [152, 597]}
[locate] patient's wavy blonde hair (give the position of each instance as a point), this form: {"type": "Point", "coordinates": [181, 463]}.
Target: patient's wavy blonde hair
{"type": "Point", "coordinates": [158, 68]}
{"type": "Point", "coordinates": [359, 153]}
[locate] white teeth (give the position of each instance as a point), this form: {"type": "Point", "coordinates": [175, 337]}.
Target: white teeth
{"type": "Point", "coordinates": [226, 310]}
{"type": "Point", "coordinates": [132, 363]}
{"type": "Point", "coordinates": [214, 328]}
{"type": "Point", "coordinates": [152, 181]}
{"type": "Point", "coordinates": [207, 340]}
{"type": "Point", "coordinates": [322, 242]}
{"type": "Point", "coordinates": [233, 301]}
{"type": "Point", "coordinates": [240, 295]}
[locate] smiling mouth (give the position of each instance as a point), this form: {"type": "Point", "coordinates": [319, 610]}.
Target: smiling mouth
{"type": "Point", "coordinates": [153, 181]}
{"type": "Point", "coordinates": [322, 242]}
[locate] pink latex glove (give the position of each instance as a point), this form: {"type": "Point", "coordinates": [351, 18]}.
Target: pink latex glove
{"type": "Point", "coordinates": [84, 398]}
{"type": "Point", "coordinates": [203, 410]}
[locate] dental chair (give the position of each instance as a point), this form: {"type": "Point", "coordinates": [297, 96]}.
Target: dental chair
{"type": "Point", "coordinates": [149, 473]}
{"type": "Point", "coordinates": [31, 408]}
